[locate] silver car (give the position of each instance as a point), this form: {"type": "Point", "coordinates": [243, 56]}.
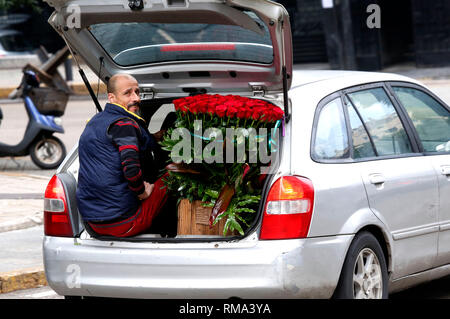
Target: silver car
{"type": "Point", "coordinates": [368, 152]}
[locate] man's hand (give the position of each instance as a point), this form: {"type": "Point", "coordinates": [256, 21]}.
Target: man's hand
{"type": "Point", "coordinates": [148, 190]}
{"type": "Point", "coordinates": [159, 135]}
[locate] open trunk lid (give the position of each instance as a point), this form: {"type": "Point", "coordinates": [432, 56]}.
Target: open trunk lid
{"type": "Point", "coordinates": [178, 46]}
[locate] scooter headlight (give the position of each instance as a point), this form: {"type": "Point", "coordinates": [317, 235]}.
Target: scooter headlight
{"type": "Point", "coordinates": [58, 121]}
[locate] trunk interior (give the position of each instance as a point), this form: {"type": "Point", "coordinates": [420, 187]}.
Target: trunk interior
{"type": "Point", "coordinates": [159, 113]}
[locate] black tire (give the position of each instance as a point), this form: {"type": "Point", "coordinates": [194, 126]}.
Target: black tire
{"type": "Point", "coordinates": [357, 282]}
{"type": "Point", "coordinates": [47, 152]}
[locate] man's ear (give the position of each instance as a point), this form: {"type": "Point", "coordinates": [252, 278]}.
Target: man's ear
{"type": "Point", "coordinates": [111, 97]}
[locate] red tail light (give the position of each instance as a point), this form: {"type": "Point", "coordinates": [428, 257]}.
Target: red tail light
{"type": "Point", "coordinates": [288, 209]}
{"type": "Point", "coordinates": [56, 214]}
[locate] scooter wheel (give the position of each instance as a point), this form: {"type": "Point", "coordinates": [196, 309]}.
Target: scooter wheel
{"type": "Point", "coordinates": [48, 152]}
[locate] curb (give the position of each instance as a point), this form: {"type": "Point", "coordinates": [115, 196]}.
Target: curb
{"type": "Point", "coordinates": [77, 88]}
{"type": "Point", "coordinates": [22, 279]}
{"type": "Point", "coordinates": [26, 222]}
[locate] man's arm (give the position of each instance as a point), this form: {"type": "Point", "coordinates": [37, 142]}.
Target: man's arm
{"type": "Point", "coordinates": [125, 135]}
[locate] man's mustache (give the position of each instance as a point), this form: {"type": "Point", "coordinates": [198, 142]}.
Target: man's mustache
{"type": "Point", "coordinates": [134, 104]}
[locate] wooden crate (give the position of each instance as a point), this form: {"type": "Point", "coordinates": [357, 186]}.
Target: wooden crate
{"type": "Point", "coordinates": [193, 219]}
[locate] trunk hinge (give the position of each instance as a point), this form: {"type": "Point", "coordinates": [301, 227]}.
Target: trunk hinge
{"type": "Point", "coordinates": [147, 94]}
{"type": "Point", "coordinates": [258, 90]}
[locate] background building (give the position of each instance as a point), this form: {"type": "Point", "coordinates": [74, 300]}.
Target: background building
{"type": "Point", "coordinates": [336, 31]}
{"type": "Point", "coordinates": [327, 31]}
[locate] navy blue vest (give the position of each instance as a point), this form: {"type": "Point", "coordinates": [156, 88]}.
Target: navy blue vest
{"type": "Point", "coordinates": [102, 192]}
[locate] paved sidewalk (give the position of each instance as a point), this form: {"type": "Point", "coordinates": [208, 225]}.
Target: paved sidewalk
{"type": "Point", "coordinates": [21, 230]}
{"type": "Point", "coordinates": [21, 256]}
{"type": "Point", "coordinates": [21, 200]}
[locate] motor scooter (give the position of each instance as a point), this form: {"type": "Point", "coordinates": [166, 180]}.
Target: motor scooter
{"type": "Point", "coordinates": [45, 150]}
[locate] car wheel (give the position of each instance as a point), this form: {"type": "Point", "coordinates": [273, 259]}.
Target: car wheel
{"type": "Point", "coordinates": [48, 153]}
{"type": "Point", "coordinates": [364, 273]}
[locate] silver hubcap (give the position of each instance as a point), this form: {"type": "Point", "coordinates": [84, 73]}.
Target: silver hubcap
{"type": "Point", "coordinates": [48, 151]}
{"type": "Point", "coordinates": [367, 276]}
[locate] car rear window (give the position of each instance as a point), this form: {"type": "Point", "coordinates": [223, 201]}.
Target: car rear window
{"type": "Point", "coordinates": [141, 43]}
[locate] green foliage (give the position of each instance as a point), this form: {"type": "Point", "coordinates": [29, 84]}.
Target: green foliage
{"type": "Point", "coordinates": [210, 179]}
{"type": "Point", "coordinates": [241, 210]}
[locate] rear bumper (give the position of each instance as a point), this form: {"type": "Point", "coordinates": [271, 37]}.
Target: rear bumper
{"type": "Point", "coordinates": [298, 268]}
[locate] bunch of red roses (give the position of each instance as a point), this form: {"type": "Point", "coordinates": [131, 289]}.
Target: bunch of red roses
{"type": "Point", "coordinates": [231, 106]}
{"type": "Point", "coordinates": [220, 184]}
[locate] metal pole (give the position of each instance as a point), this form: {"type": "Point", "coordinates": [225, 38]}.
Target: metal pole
{"type": "Point", "coordinates": [68, 69]}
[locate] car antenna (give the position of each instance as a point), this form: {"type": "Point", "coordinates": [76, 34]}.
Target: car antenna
{"type": "Point", "coordinates": [83, 76]}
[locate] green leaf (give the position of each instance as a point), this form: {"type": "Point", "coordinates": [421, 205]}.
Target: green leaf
{"type": "Point", "coordinates": [221, 216]}
{"type": "Point", "coordinates": [226, 227]}
{"type": "Point", "coordinates": [244, 210]}
{"type": "Point", "coordinates": [235, 226]}
{"type": "Point", "coordinates": [212, 193]}
{"type": "Point", "coordinates": [242, 220]}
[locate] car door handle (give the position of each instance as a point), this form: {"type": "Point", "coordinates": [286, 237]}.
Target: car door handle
{"type": "Point", "coordinates": [376, 178]}
{"type": "Point", "coordinates": [445, 170]}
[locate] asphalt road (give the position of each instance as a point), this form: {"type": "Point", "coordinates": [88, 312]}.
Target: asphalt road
{"type": "Point", "coordinates": [15, 120]}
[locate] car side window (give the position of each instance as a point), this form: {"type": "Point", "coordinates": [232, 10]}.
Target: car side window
{"type": "Point", "coordinates": [362, 146]}
{"type": "Point", "coordinates": [429, 117]}
{"type": "Point", "coordinates": [331, 140]}
{"type": "Point", "coordinates": [382, 121]}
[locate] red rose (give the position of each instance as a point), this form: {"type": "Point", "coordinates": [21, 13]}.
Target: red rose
{"type": "Point", "coordinates": [184, 107]}
{"type": "Point", "coordinates": [193, 107]}
{"type": "Point", "coordinates": [256, 114]}
{"type": "Point", "coordinates": [248, 112]}
{"type": "Point", "coordinates": [242, 112]}
{"type": "Point", "coordinates": [278, 113]}
{"type": "Point", "coordinates": [202, 107]}
{"type": "Point", "coordinates": [221, 110]}
{"type": "Point", "coordinates": [177, 103]}
{"type": "Point", "coordinates": [252, 103]}
{"type": "Point", "coordinates": [231, 111]}
{"type": "Point", "coordinates": [180, 105]}
{"type": "Point", "coordinates": [270, 115]}
{"type": "Point", "coordinates": [211, 107]}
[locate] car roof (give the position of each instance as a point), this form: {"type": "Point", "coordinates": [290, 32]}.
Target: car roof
{"type": "Point", "coordinates": [339, 79]}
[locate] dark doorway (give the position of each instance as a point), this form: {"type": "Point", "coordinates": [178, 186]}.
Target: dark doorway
{"type": "Point", "coordinates": [308, 39]}
{"type": "Point", "coordinates": [392, 42]}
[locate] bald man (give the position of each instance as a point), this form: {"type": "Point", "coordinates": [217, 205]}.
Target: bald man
{"type": "Point", "coordinates": [118, 193]}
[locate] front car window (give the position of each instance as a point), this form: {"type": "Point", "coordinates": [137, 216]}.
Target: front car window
{"type": "Point", "coordinates": [140, 43]}
{"type": "Point", "coordinates": [382, 121]}
{"type": "Point", "coordinates": [429, 117]}
{"type": "Point", "coordinates": [331, 141]}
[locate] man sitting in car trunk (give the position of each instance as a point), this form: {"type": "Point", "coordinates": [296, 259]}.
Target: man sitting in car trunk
{"type": "Point", "coordinates": [117, 165]}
